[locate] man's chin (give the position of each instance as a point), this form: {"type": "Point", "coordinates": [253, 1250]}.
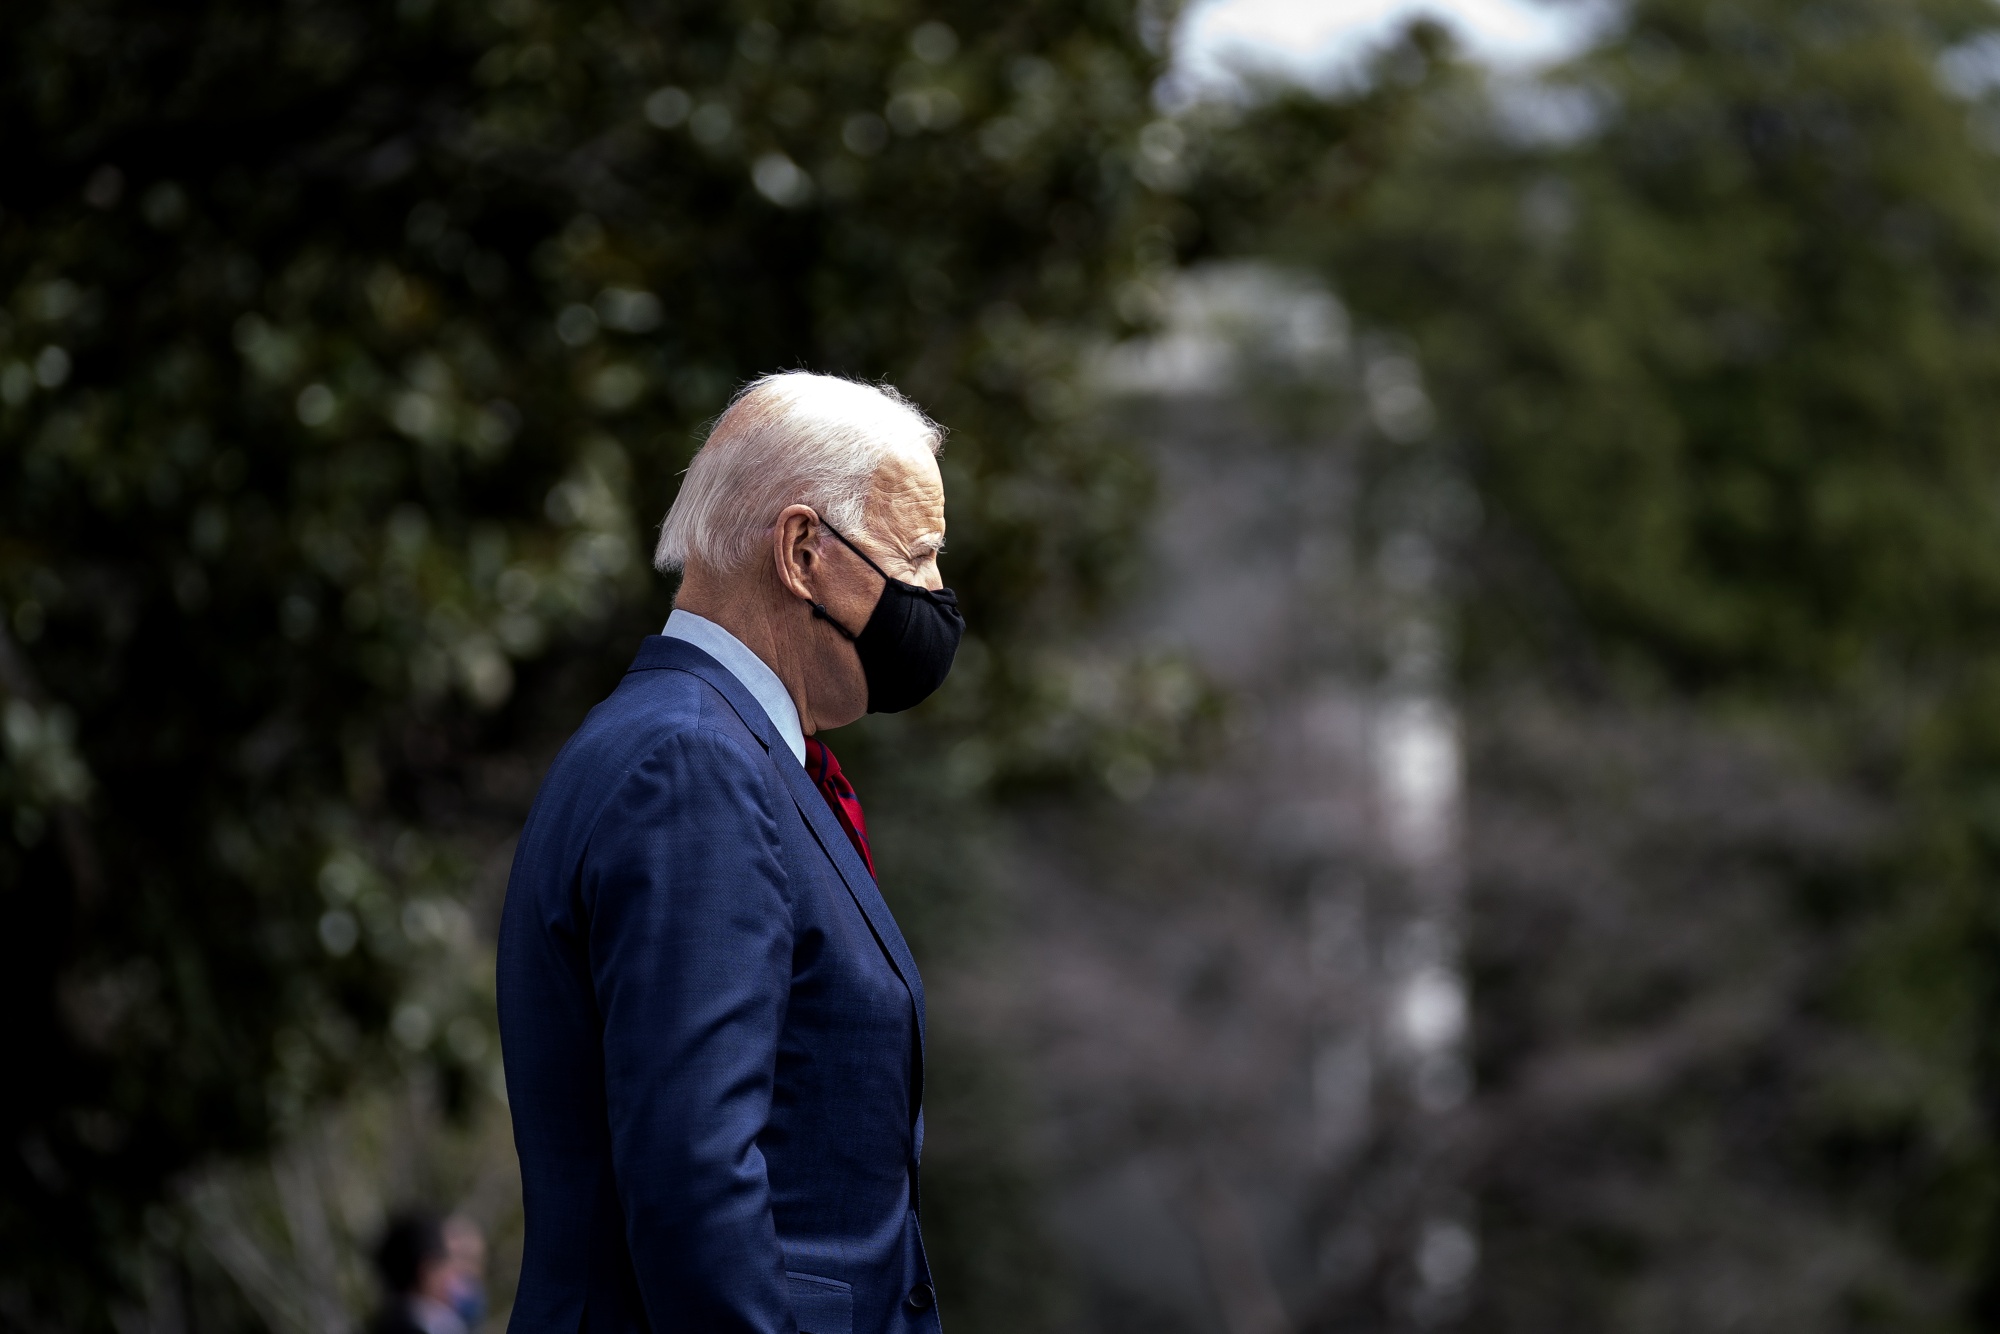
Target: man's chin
{"type": "Point", "coordinates": [842, 718]}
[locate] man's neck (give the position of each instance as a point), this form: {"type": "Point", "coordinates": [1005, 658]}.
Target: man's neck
{"type": "Point", "coordinates": [751, 615]}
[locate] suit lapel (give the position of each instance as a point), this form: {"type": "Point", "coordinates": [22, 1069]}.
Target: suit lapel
{"type": "Point", "coordinates": [661, 651]}
{"type": "Point", "coordinates": [867, 896]}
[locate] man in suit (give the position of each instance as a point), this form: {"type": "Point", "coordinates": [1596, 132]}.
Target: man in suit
{"type": "Point", "coordinates": [713, 1029]}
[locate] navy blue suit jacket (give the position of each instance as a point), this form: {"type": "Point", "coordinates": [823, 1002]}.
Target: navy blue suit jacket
{"type": "Point", "coordinates": [713, 1034]}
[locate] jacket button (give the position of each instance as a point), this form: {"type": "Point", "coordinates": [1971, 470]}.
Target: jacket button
{"type": "Point", "coordinates": [921, 1297]}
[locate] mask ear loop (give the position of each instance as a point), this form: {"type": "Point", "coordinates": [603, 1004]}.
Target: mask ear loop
{"type": "Point", "coordinates": [819, 609]}
{"type": "Point", "coordinates": [823, 614]}
{"type": "Point", "coordinates": [859, 552]}
{"type": "Point", "coordinates": [932, 593]}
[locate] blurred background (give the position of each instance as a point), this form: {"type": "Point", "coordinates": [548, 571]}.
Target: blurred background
{"type": "Point", "coordinates": [1472, 798]}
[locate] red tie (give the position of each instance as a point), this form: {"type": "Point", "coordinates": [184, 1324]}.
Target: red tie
{"type": "Point", "coordinates": [839, 794]}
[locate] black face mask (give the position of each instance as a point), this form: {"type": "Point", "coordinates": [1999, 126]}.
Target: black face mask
{"type": "Point", "coordinates": [908, 644]}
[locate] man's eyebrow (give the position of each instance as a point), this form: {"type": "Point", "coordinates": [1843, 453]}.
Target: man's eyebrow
{"type": "Point", "coordinates": [932, 542]}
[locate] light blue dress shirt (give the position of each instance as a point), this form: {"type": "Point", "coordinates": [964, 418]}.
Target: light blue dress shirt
{"type": "Point", "coordinates": [746, 667]}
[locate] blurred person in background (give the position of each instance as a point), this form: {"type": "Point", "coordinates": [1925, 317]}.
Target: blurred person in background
{"type": "Point", "coordinates": [711, 1024]}
{"type": "Point", "coordinates": [466, 1245]}
{"type": "Point", "coordinates": [432, 1274]}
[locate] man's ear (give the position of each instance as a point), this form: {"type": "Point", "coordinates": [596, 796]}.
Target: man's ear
{"type": "Point", "coordinates": [794, 547]}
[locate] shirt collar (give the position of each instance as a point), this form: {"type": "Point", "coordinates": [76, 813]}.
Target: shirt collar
{"type": "Point", "coordinates": [752, 671]}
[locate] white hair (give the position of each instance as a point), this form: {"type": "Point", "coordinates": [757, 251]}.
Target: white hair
{"type": "Point", "coordinates": [789, 439]}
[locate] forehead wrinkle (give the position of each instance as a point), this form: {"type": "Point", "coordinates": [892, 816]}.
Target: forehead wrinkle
{"type": "Point", "coordinates": [908, 494]}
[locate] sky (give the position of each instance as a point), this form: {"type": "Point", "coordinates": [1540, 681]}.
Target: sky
{"type": "Point", "coordinates": [1319, 40]}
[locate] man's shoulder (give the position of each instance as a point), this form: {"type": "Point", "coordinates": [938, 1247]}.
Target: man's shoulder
{"type": "Point", "coordinates": [665, 741]}
{"type": "Point", "coordinates": [658, 707]}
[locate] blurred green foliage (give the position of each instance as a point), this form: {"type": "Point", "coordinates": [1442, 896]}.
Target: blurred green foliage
{"type": "Point", "coordinates": [1710, 319]}
{"type": "Point", "coordinates": [1729, 352]}
{"type": "Point", "coordinates": [349, 349]}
